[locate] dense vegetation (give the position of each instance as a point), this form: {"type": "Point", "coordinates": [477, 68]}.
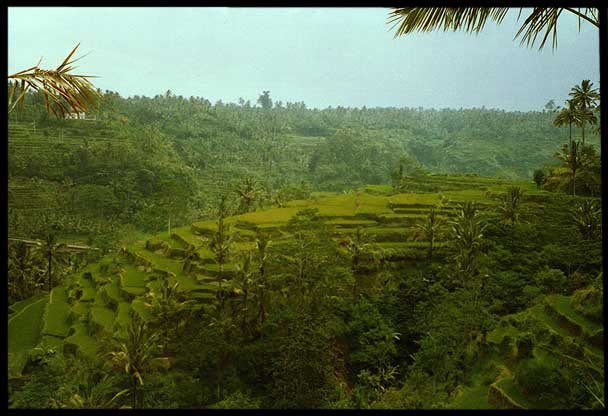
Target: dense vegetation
{"type": "Point", "coordinates": [283, 257]}
{"type": "Point", "coordinates": [121, 168]}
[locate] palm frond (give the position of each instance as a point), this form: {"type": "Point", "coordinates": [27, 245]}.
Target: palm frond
{"type": "Point", "coordinates": [426, 19]}
{"type": "Point", "coordinates": [541, 20]}
{"type": "Point", "coordinates": [63, 91]}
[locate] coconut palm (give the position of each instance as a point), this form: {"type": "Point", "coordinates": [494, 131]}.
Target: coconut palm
{"type": "Point", "coordinates": [262, 243]}
{"type": "Point", "coordinates": [221, 244]}
{"type": "Point", "coordinates": [510, 202]}
{"type": "Point", "coordinates": [54, 253]}
{"type": "Point", "coordinates": [468, 229]}
{"type": "Point", "coordinates": [248, 191]}
{"type": "Point", "coordinates": [25, 272]}
{"type": "Point", "coordinates": [569, 115]}
{"type": "Point", "coordinates": [134, 354]}
{"type": "Point", "coordinates": [473, 19]}
{"type": "Point", "coordinates": [93, 390]}
{"type": "Point", "coordinates": [167, 307]}
{"type": "Point", "coordinates": [570, 155]}
{"type": "Point", "coordinates": [361, 250]}
{"type": "Point", "coordinates": [243, 283]}
{"type": "Point", "coordinates": [585, 98]}
{"type": "Point", "coordinates": [429, 230]}
{"type": "Point", "coordinates": [587, 216]}
{"type": "Point", "coordinates": [63, 91]}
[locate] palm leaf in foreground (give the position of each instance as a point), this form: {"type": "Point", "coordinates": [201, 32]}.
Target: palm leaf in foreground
{"type": "Point", "coordinates": [62, 90]}
{"type": "Point", "coordinates": [472, 20]}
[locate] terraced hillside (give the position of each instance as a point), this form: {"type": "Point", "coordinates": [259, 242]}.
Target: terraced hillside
{"type": "Point", "coordinates": [97, 302]}
{"type": "Point", "coordinates": [557, 334]}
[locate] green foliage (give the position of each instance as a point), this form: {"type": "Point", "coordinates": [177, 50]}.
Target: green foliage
{"type": "Point", "coordinates": [510, 204]}
{"type": "Point", "coordinates": [589, 302]}
{"type": "Point", "coordinates": [551, 280]}
{"type": "Point", "coordinates": [587, 216]}
{"type": "Point", "coordinates": [539, 176]}
{"type": "Point", "coordinates": [373, 338]}
{"type": "Point", "coordinates": [468, 228]}
{"type": "Point", "coordinates": [542, 380]}
{"type": "Point", "coordinates": [301, 363]}
{"type": "Point", "coordinates": [238, 400]}
{"type": "Point", "coordinates": [25, 272]}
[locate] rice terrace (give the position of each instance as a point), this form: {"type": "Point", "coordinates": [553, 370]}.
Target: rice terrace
{"type": "Point", "coordinates": [357, 248]}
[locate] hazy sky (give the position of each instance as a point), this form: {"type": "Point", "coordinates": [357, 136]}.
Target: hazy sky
{"type": "Point", "coordinates": [322, 56]}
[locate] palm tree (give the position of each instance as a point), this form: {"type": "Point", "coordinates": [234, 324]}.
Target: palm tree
{"type": "Point", "coordinates": [53, 253]}
{"type": "Point", "coordinates": [92, 391]}
{"type": "Point", "coordinates": [509, 206]}
{"type": "Point", "coordinates": [167, 308]}
{"type": "Point", "coordinates": [467, 228]}
{"type": "Point", "coordinates": [587, 216]}
{"type": "Point", "coordinates": [220, 244]}
{"type": "Point", "coordinates": [568, 116]}
{"type": "Point", "coordinates": [135, 354]}
{"type": "Point", "coordinates": [25, 272]}
{"type": "Point", "coordinates": [585, 98]}
{"type": "Point", "coordinates": [571, 156]}
{"type": "Point", "coordinates": [429, 230]}
{"type": "Point", "coordinates": [262, 242]}
{"type": "Point", "coordinates": [359, 249]}
{"type": "Point", "coordinates": [62, 90]}
{"type": "Point", "coordinates": [473, 19]}
{"type": "Point", "coordinates": [248, 192]}
{"type": "Point", "coordinates": [243, 284]}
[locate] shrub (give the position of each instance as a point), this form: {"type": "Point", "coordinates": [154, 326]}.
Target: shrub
{"type": "Point", "coordinates": [542, 381]}
{"type": "Point", "coordinates": [532, 295]}
{"type": "Point", "coordinates": [552, 280]}
{"type": "Point", "coordinates": [589, 303]}
{"type": "Point", "coordinates": [237, 400]}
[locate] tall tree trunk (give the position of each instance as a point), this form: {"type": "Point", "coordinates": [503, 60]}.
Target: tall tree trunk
{"type": "Point", "coordinates": [134, 393]}
{"type": "Point", "coordinates": [50, 270]}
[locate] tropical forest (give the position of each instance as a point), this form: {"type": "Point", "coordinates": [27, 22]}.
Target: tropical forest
{"type": "Point", "coordinates": [167, 250]}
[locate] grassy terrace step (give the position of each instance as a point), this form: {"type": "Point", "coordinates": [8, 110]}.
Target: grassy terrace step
{"type": "Point", "coordinates": [51, 342]}
{"type": "Point", "coordinates": [504, 394]}
{"type": "Point", "coordinates": [340, 223]}
{"type": "Point", "coordinates": [80, 309]}
{"type": "Point", "coordinates": [416, 211]}
{"type": "Point", "coordinates": [103, 317]}
{"type": "Point", "coordinates": [504, 329]}
{"type": "Point", "coordinates": [81, 342]}
{"type": "Point", "coordinates": [123, 317]}
{"type": "Point", "coordinates": [409, 244]}
{"type": "Point", "coordinates": [559, 307]}
{"type": "Point", "coordinates": [159, 262]}
{"type": "Point", "coordinates": [112, 292]}
{"type": "Point", "coordinates": [539, 313]}
{"type": "Point", "coordinates": [184, 236]}
{"type": "Point", "coordinates": [229, 270]}
{"type": "Point", "coordinates": [407, 220]}
{"type": "Point", "coordinates": [25, 325]}
{"type": "Point", "coordinates": [132, 277]}
{"type": "Point", "coordinates": [18, 306]}
{"type": "Point", "coordinates": [472, 397]}
{"type": "Point", "coordinates": [380, 234]}
{"type": "Point", "coordinates": [56, 316]}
